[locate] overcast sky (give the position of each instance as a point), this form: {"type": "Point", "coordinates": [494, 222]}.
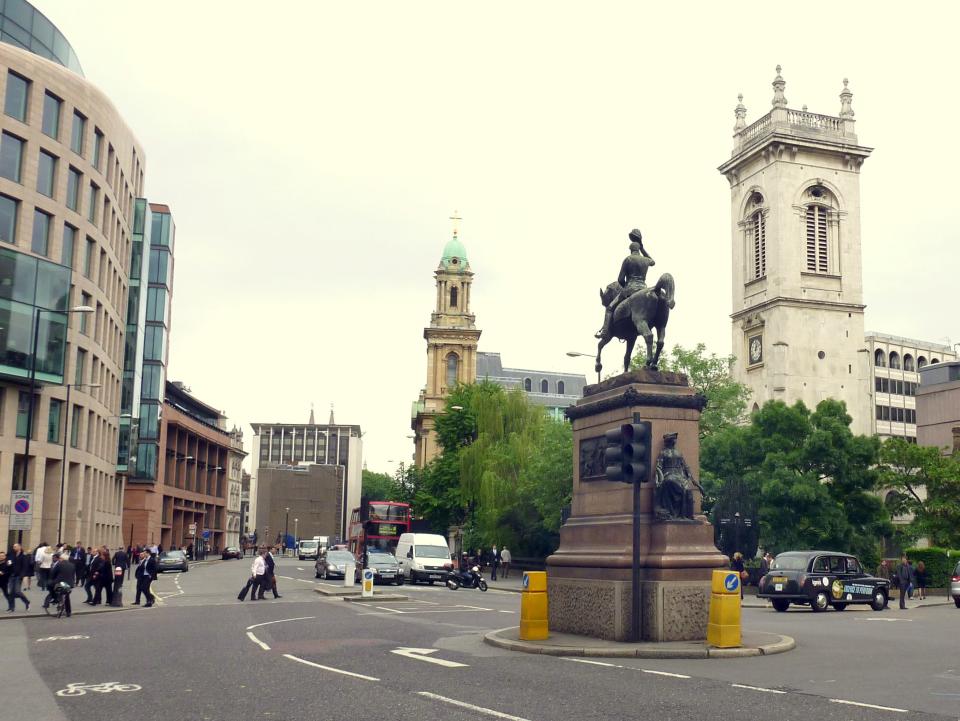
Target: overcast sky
{"type": "Point", "coordinates": [312, 152]}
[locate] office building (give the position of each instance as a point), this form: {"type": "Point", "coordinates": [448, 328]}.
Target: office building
{"type": "Point", "coordinates": [938, 406]}
{"type": "Point", "coordinates": [306, 499]}
{"type": "Point", "coordinates": [550, 389]}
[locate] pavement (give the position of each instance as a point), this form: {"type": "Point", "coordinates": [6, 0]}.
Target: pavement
{"type": "Point", "coordinates": [202, 655]}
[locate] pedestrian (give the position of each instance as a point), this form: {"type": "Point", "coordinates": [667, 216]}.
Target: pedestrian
{"type": "Point", "coordinates": [921, 574]}
{"type": "Point", "coordinates": [144, 576]}
{"type": "Point", "coordinates": [120, 564]}
{"type": "Point", "coordinates": [257, 572]}
{"type": "Point", "coordinates": [30, 571]}
{"type": "Point", "coordinates": [62, 571]}
{"type": "Point", "coordinates": [78, 557]}
{"type": "Point", "coordinates": [18, 567]}
{"type": "Point", "coordinates": [4, 575]}
{"type": "Point", "coordinates": [505, 559]}
{"type": "Point", "coordinates": [904, 572]}
{"type": "Point", "coordinates": [105, 578]}
{"type": "Point", "coordinates": [43, 560]}
{"type": "Point", "coordinates": [738, 566]}
{"type": "Point", "coordinates": [913, 580]}
{"type": "Point", "coordinates": [269, 576]}
{"type": "Point", "coordinates": [765, 564]}
{"type": "Point", "coordinates": [95, 571]}
{"type": "Point", "coordinates": [494, 561]}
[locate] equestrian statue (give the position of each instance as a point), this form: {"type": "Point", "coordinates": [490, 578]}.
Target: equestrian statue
{"type": "Point", "coordinates": [633, 309]}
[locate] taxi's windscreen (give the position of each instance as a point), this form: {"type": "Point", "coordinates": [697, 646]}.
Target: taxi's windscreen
{"type": "Point", "coordinates": [789, 563]}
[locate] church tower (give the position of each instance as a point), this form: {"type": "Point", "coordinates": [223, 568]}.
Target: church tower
{"type": "Point", "coordinates": [452, 338]}
{"type": "Point", "coordinates": [798, 331]}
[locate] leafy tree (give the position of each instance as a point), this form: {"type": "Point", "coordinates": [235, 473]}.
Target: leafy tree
{"type": "Point", "coordinates": [926, 484]}
{"type": "Point", "coordinates": [378, 486]}
{"type": "Point", "coordinates": [813, 480]}
{"type": "Point", "coordinates": [710, 375]}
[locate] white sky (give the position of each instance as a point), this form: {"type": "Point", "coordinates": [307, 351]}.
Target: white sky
{"type": "Point", "coordinates": [312, 152]}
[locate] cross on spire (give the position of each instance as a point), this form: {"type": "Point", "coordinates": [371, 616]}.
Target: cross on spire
{"type": "Point", "coordinates": [456, 220]}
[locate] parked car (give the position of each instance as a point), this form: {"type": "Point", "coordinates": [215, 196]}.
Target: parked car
{"type": "Point", "coordinates": [385, 567]}
{"type": "Point", "coordinates": [231, 552]}
{"type": "Point", "coordinates": [172, 561]}
{"type": "Point", "coordinates": [955, 586]}
{"type": "Point", "coordinates": [333, 564]}
{"type": "Point", "coordinates": [821, 579]}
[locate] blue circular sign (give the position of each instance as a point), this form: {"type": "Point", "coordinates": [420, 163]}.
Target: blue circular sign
{"type": "Point", "coordinates": [22, 506]}
{"type": "Point", "coordinates": [526, 581]}
{"type": "Point", "coordinates": [732, 581]}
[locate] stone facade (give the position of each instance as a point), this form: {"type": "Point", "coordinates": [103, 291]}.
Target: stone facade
{"type": "Point", "coordinates": [234, 487]}
{"type": "Point", "coordinates": [314, 495]}
{"type": "Point", "coordinates": [938, 407]}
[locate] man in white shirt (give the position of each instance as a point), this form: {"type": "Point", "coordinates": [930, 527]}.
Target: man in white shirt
{"type": "Point", "coordinates": [42, 561]}
{"type": "Point", "coordinates": [258, 570]}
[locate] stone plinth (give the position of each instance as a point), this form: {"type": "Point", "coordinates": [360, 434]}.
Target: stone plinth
{"type": "Point", "coordinates": [589, 577]}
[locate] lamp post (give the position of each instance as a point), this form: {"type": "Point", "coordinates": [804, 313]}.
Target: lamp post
{"type": "Point", "coordinates": [578, 354]}
{"type": "Point", "coordinates": [63, 462]}
{"type": "Point", "coordinates": [286, 532]}
{"type": "Point", "coordinates": [296, 533]}
{"type": "Point", "coordinates": [33, 386]}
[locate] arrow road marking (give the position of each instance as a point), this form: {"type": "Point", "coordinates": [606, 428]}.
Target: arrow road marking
{"type": "Point", "coordinates": [421, 654]}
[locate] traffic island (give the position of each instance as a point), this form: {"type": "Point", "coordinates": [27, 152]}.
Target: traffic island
{"type": "Point", "coordinates": [352, 593]}
{"type": "Point", "coordinates": [755, 643]}
{"type": "Point", "coordinates": [379, 598]}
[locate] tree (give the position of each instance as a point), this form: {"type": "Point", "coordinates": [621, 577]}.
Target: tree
{"type": "Point", "coordinates": [710, 375]}
{"type": "Point", "coordinates": [378, 486]}
{"type": "Point", "coordinates": [812, 478]}
{"type": "Point", "coordinates": [926, 484]}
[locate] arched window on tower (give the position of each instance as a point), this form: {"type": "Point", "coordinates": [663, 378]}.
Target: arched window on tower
{"type": "Point", "coordinates": [894, 360]}
{"type": "Point", "coordinates": [453, 297]}
{"type": "Point", "coordinates": [544, 386]}
{"type": "Point", "coordinates": [908, 364]}
{"type": "Point", "coordinates": [934, 360]}
{"type": "Point", "coordinates": [756, 237]}
{"type": "Point", "coordinates": [880, 358]}
{"type": "Point", "coordinates": [561, 388]}
{"type": "Point", "coordinates": [819, 213]}
{"type": "Point", "coordinates": [453, 364]}
{"type": "Point", "coordinates": [921, 362]}
{"type": "Point", "coordinates": [527, 385]}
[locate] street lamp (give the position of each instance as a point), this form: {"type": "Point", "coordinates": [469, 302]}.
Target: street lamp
{"type": "Point", "coordinates": [296, 533]}
{"type": "Point", "coordinates": [33, 387]}
{"type": "Point", "coordinates": [578, 354]}
{"type": "Point", "coordinates": [63, 462]}
{"type": "Point", "coordinates": [286, 532]}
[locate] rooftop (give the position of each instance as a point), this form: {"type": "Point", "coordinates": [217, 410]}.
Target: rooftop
{"type": "Point", "coordinates": [27, 28]}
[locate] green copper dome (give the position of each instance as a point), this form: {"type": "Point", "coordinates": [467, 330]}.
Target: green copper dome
{"type": "Point", "coordinates": [454, 249]}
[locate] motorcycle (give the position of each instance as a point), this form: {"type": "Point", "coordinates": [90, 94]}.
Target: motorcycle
{"type": "Point", "coordinates": [471, 578]}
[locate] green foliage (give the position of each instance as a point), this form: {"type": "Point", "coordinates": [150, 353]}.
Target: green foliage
{"type": "Point", "coordinates": [710, 375]}
{"type": "Point", "coordinates": [939, 563]}
{"type": "Point", "coordinates": [908, 469]}
{"type": "Point", "coordinates": [812, 478]}
{"type": "Point", "coordinates": [378, 486]}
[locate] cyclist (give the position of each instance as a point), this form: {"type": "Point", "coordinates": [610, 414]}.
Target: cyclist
{"type": "Point", "coordinates": [63, 575]}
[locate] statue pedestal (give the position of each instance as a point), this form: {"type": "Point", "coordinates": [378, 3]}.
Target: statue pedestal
{"type": "Point", "coordinates": [589, 577]}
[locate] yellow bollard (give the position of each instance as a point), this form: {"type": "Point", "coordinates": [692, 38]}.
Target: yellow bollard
{"type": "Point", "coordinates": [533, 607]}
{"type": "Point", "coordinates": [723, 629]}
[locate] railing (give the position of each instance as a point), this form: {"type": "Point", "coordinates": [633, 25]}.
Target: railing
{"type": "Point", "coordinates": [758, 129]}
{"type": "Point", "coordinates": [815, 121]}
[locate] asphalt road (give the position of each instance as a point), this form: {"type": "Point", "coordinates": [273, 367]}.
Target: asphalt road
{"type": "Point", "coordinates": [201, 654]}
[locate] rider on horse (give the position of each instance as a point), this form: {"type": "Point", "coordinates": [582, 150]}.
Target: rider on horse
{"type": "Point", "coordinates": [633, 277]}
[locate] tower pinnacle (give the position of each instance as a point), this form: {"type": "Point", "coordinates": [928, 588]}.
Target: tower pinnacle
{"type": "Point", "coordinates": [779, 84]}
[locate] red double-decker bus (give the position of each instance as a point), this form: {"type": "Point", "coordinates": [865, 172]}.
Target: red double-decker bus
{"type": "Point", "coordinates": [377, 524]}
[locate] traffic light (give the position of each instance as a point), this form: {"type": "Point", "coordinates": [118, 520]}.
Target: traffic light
{"type": "Point", "coordinates": [628, 453]}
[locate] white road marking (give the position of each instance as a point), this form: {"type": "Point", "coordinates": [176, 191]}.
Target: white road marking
{"type": "Point", "coordinates": [391, 610]}
{"type": "Point", "coordinates": [282, 620]}
{"type": "Point", "coordinates": [330, 668]}
{"type": "Point", "coordinates": [464, 704]}
{"type": "Point", "coordinates": [641, 670]}
{"type": "Point", "coordinates": [593, 663]}
{"type": "Point", "coordinates": [301, 580]}
{"type": "Point", "coordinates": [80, 688]}
{"type": "Point", "coordinates": [61, 638]}
{"type": "Point", "coordinates": [257, 641]}
{"type": "Point", "coordinates": [665, 673]}
{"type": "Point", "coordinates": [893, 620]}
{"type": "Point", "coordinates": [868, 705]}
{"type": "Point", "coordinates": [756, 688]}
{"type": "Point", "coordinates": [301, 569]}
{"type": "Point", "coordinates": [421, 654]}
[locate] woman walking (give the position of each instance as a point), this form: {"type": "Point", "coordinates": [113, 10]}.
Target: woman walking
{"type": "Point", "coordinates": [921, 581]}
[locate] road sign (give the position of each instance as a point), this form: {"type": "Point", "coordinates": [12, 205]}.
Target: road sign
{"type": "Point", "coordinates": [206, 534]}
{"type": "Point", "coordinates": [21, 510]}
{"type": "Point", "coordinates": [192, 529]}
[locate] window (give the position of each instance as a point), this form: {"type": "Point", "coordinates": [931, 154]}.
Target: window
{"type": "Point", "coordinates": [92, 208]}
{"type": "Point", "coordinates": [544, 386]}
{"type": "Point", "coordinates": [18, 91]}
{"type": "Point", "coordinates": [23, 410]}
{"type": "Point", "coordinates": [74, 178]}
{"type": "Point", "coordinates": [69, 240]}
{"type": "Point", "coordinates": [159, 262]}
{"type": "Point", "coordinates": [8, 219]}
{"type": "Point", "coordinates": [911, 415]}
{"type": "Point", "coordinates": [527, 385]}
{"type": "Point", "coordinates": [561, 388]}
{"type": "Point", "coordinates": [51, 115]}
{"type": "Point", "coordinates": [898, 387]}
{"type": "Point", "coordinates": [452, 368]}
{"type": "Point", "coordinates": [157, 305]}
{"type": "Point", "coordinates": [53, 420]}
{"type": "Point", "coordinates": [879, 358]}
{"type": "Point", "coordinates": [46, 173]}
{"type": "Point", "coordinates": [817, 239]}
{"type": "Point", "coordinates": [88, 257]}
{"type": "Point", "coordinates": [75, 426]}
{"type": "Point", "coordinates": [921, 362]}
{"type": "Point", "coordinates": [77, 132]}
{"type": "Point", "coordinates": [934, 360]}
{"type": "Point", "coordinates": [97, 147]}
{"type": "Point", "coordinates": [81, 362]}
{"type": "Point", "coordinates": [759, 245]}
{"type": "Point", "coordinates": [453, 297]}
{"type": "Point", "coordinates": [40, 243]}
{"type": "Point", "coordinates": [85, 300]}
{"type": "Point", "coordinates": [11, 157]}
{"type": "Point", "coordinates": [894, 360]}
{"type": "Point", "coordinates": [908, 364]}
{"type": "Point", "coordinates": [153, 339]}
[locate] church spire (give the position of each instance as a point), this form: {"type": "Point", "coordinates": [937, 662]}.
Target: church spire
{"type": "Point", "coordinates": [331, 415]}
{"type": "Point", "coordinates": [312, 422]}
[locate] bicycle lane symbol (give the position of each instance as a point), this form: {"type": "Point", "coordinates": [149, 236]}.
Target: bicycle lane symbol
{"type": "Point", "coordinates": [80, 688]}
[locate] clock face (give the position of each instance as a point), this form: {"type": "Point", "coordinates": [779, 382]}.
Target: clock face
{"type": "Point", "coordinates": [756, 349]}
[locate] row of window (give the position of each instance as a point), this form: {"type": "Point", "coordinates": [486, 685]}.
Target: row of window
{"type": "Point", "coordinates": [895, 387]}
{"type": "Point", "coordinates": [880, 360]}
{"type": "Point", "coordinates": [897, 415]}
{"type": "Point", "coordinates": [817, 238]}
{"type": "Point", "coordinates": [97, 433]}
{"type": "Point", "coordinates": [544, 386]}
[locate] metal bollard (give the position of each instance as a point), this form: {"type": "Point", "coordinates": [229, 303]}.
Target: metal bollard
{"type": "Point", "coordinates": [534, 624]}
{"type": "Point", "coordinates": [723, 629]}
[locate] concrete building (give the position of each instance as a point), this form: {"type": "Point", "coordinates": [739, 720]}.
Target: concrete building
{"type": "Point", "coordinates": [293, 444]}
{"type": "Point", "coordinates": [555, 391]}
{"type": "Point", "coordinates": [452, 338]}
{"type": "Point", "coordinates": [235, 487]}
{"type": "Point", "coordinates": [246, 523]}
{"type": "Point", "coordinates": [938, 406]}
{"type": "Point", "coordinates": [896, 364]}
{"type": "Point", "coordinates": [314, 495]}
{"type": "Point", "coordinates": [190, 492]}
{"type": "Point", "coordinates": [70, 169]}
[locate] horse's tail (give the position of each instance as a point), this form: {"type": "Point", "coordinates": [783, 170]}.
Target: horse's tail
{"type": "Point", "coordinates": [665, 289]}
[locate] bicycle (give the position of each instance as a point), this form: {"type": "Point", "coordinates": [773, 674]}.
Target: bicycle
{"type": "Point", "coordinates": [60, 594]}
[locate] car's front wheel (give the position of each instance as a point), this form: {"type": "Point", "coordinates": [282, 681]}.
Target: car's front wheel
{"type": "Point", "coordinates": [879, 601]}
{"type": "Point", "coordinates": [820, 602]}
{"type": "Point", "coordinates": [780, 604]}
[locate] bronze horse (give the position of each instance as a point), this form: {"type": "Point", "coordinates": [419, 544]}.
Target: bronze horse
{"type": "Point", "coordinates": [639, 315]}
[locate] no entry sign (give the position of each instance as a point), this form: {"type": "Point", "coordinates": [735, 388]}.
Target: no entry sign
{"type": "Point", "coordinates": [21, 510]}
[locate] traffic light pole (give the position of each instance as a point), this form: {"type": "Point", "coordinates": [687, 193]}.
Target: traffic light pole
{"type": "Point", "coordinates": [635, 630]}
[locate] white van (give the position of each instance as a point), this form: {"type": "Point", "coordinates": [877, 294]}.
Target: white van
{"type": "Point", "coordinates": [308, 549]}
{"type": "Point", "coordinates": [423, 557]}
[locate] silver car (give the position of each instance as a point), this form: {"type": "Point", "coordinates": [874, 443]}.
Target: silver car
{"type": "Point", "coordinates": [955, 585]}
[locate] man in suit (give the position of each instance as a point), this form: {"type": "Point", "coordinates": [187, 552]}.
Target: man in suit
{"type": "Point", "coordinates": [18, 569]}
{"type": "Point", "coordinates": [269, 578]}
{"type": "Point", "coordinates": [62, 571]}
{"type": "Point", "coordinates": [120, 560]}
{"type": "Point", "coordinates": [145, 574]}
{"type": "Point", "coordinates": [78, 556]}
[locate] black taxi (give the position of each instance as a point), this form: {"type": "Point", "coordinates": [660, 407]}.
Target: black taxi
{"type": "Point", "coordinates": [821, 579]}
